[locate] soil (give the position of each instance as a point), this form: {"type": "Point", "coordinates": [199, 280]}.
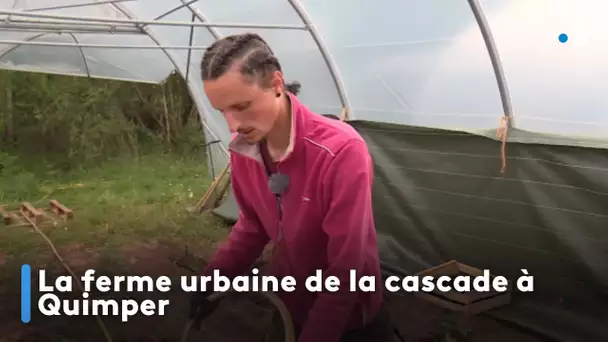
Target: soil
{"type": "Point", "coordinates": [239, 318]}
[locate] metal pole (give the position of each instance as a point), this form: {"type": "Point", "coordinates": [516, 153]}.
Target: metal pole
{"type": "Point", "coordinates": [214, 32]}
{"type": "Point", "coordinates": [501, 80]}
{"type": "Point", "coordinates": [7, 51]}
{"type": "Point", "coordinates": [191, 38]}
{"type": "Point", "coordinates": [84, 58]}
{"type": "Point", "coordinates": [81, 19]}
{"type": "Point", "coordinates": [331, 65]}
{"type": "Point", "coordinates": [175, 9]}
{"type": "Point", "coordinates": [69, 23]}
{"type": "Point", "coordinates": [170, 56]}
{"type": "Point", "coordinates": [102, 46]}
{"type": "Point", "coordinates": [15, 26]}
{"type": "Point", "coordinates": [86, 4]}
{"type": "Point", "coordinates": [202, 18]}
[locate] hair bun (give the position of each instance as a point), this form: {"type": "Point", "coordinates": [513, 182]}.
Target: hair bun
{"type": "Point", "coordinates": [293, 87]}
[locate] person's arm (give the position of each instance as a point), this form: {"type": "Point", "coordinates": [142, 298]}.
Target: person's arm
{"type": "Point", "coordinates": [348, 186]}
{"type": "Point", "coordinates": [245, 242]}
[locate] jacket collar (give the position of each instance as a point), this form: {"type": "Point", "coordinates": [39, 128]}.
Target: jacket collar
{"type": "Point", "coordinates": [239, 144]}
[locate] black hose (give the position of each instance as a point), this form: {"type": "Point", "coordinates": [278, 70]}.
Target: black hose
{"type": "Point", "coordinates": [274, 299]}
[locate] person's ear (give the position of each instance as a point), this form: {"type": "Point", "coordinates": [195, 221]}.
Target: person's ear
{"type": "Point", "coordinates": [277, 82]}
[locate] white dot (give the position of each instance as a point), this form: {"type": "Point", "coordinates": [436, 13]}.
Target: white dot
{"type": "Point", "coordinates": [85, 295]}
{"type": "Point", "coordinates": [255, 271]}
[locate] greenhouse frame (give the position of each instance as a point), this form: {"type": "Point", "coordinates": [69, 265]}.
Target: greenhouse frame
{"type": "Point", "coordinates": [486, 119]}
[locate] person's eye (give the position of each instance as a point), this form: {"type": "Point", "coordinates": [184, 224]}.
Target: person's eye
{"type": "Point", "coordinates": [242, 106]}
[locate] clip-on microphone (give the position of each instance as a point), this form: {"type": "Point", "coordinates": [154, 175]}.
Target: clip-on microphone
{"type": "Point", "coordinates": [278, 183]}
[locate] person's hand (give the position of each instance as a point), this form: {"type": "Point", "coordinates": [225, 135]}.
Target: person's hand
{"type": "Point", "coordinates": [201, 307]}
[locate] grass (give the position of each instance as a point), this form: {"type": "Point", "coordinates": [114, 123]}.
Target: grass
{"type": "Point", "coordinates": [115, 203]}
{"type": "Point", "coordinates": [59, 139]}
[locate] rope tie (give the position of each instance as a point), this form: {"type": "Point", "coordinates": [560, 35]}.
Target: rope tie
{"type": "Point", "coordinates": [502, 133]}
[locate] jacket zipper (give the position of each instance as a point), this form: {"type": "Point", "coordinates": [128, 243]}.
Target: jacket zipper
{"type": "Point", "coordinates": [281, 237]}
{"type": "Point", "coordinates": [279, 199]}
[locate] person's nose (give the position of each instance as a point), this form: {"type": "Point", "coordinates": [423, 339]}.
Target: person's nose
{"type": "Point", "coordinates": [233, 124]}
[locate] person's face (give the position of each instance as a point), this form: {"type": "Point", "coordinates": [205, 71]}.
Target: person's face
{"type": "Point", "coordinates": [249, 109]}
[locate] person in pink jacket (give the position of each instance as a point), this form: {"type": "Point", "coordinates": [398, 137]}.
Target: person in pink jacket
{"type": "Point", "coordinates": [302, 181]}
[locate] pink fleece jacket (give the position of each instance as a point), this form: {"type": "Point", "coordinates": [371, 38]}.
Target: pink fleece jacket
{"type": "Point", "coordinates": [327, 222]}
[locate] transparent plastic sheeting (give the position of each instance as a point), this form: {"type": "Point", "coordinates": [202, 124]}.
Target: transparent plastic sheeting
{"type": "Point", "coordinates": [421, 63]}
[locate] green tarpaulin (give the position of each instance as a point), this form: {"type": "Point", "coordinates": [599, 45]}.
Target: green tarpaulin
{"type": "Point", "coordinates": [439, 196]}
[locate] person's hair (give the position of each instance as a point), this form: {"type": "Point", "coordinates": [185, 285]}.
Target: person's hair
{"type": "Point", "coordinates": [255, 59]}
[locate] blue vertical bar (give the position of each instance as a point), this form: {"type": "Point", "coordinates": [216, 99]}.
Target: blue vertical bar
{"type": "Point", "coordinates": [26, 293]}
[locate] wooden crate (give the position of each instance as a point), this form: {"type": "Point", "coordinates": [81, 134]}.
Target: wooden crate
{"type": "Point", "coordinates": [61, 210]}
{"type": "Point", "coordinates": [15, 218]}
{"type": "Point", "coordinates": [469, 303]}
{"type": "Point", "coordinates": [34, 214]}
{"type": "Point", "coordinates": [12, 218]}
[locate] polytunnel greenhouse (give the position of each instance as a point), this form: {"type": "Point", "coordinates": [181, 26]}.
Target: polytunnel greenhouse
{"type": "Point", "coordinates": [485, 118]}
